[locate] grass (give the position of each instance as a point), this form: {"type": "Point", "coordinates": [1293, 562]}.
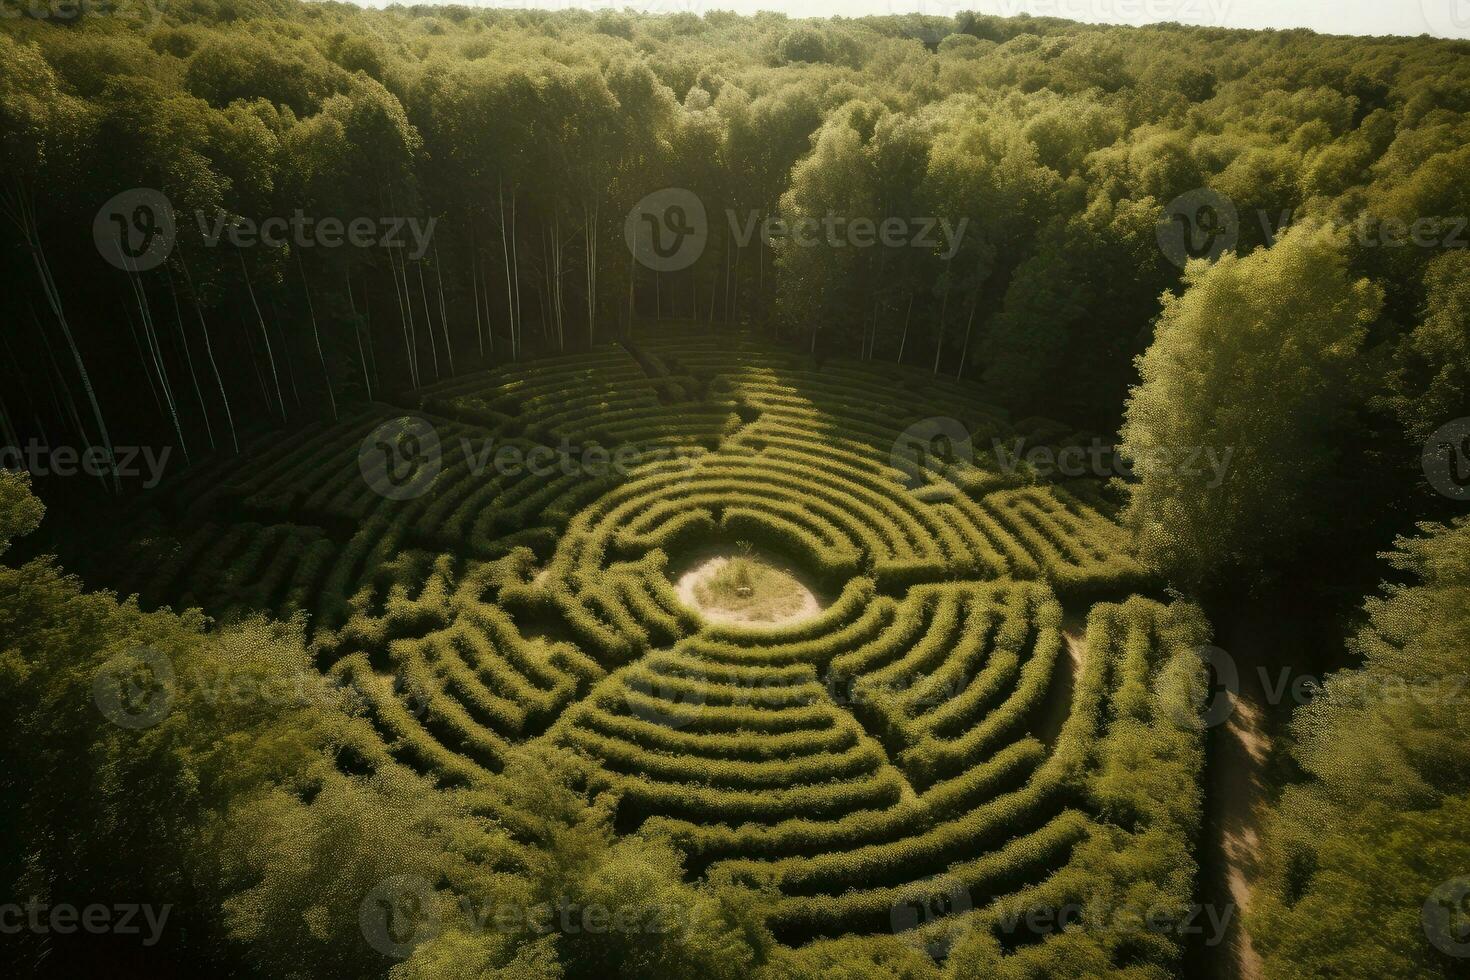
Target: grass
{"type": "Point", "coordinates": [748, 589]}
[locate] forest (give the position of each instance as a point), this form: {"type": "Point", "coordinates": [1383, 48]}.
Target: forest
{"type": "Point", "coordinates": [908, 496]}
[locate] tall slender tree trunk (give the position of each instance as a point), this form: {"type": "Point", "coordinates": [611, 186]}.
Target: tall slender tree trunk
{"type": "Point", "coordinates": [405, 317]}
{"type": "Point", "coordinates": [413, 333]}
{"type": "Point", "coordinates": [760, 282]}
{"type": "Point", "coordinates": [367, 328]}
{"type": "Point", "coordinates": [275, 375]}
{"type": "Point", "coordinates": [903, 341]}
{"type": "Point", "coordinates": [943, 308]}
{"type": "Point", "coordinates": [143, 359]}
{"type": "Point", "coordinates": [151, 332]}
{"type": "Point", "coordinates": [545, 297]}
{"type": "Point", "coordinates": [475, 290]}
{"type": "Point", "coordinates": [209, 350]}
{"type": "Point", "coordinates": [632, 274]}
{"type": "Point", "coordinates": [443, 310]}
{"type": "Point", "coordinates": [510, 302]}
{"type": "Point", "coordinates": [735, 288]}
{"type": "Point", "coordinates": [714, 285]}
{"type": "Point", "coordinates": [317, 335]}
{"type": "Point", "coordinates": [428, 321]}
{"type": "Point", "coordinates": [23, 212]}
{"type": "Point", "coordinates": [554, 287]}
{"type": "Point", "coordinates": [489, 320]}
{"type": "Point", "coordinates": [367, 379]}
{"type": "Point", "coordinates": [969, 326]}
{"type": "Point", "coordinates": [591, 216]}
{"type": "Point", "coordinates": [515, 262]}
{"type": "Point", "coordinates": [725, 295]}
{"type": "Point", "coordinates": [265, 398]}
{"type": "Point", "coordinates": [189, 358]}
{"type": "Point", "coordinates": [286, 351]}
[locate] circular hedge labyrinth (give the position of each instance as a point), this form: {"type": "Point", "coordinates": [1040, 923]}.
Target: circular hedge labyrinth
{"type": "Point", "coordinates": [893, 757]}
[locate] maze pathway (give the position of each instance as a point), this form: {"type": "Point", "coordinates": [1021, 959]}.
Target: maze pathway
{"type": "Point", "coordinates": [885, 765]}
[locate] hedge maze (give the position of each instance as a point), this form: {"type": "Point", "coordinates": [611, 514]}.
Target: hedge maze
{"type": "Point", "coordinates": [989, 716]}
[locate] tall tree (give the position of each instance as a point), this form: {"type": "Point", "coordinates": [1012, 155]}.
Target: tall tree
{"type": "Point", "coordinates": [1258, 358]}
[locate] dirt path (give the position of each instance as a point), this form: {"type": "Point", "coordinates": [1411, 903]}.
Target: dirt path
{"type": "Point", "coordinates": [1238, 752]}
{"type": "Point", "coordinates": [1235, 790]}
{"type": "Point", "coordinates": [1069, 665]}
{"type": "Point", "coordinates": [1261, 640]}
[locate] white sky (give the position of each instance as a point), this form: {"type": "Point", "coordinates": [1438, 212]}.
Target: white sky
{"type": "Point", "coordinates": [1442, 18]}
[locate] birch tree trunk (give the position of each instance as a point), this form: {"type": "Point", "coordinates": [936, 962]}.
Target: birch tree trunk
{"type": "Point", "coordinates": [443, 310]}
{"type": "Point", "coordinates": [356, 332]}
{"type": "Point", "coordinates": [275, 374]}
{"type": "Point", "coordinates": [189, 359]}
{"type": "Point", "coordinates": [317, 335]}
{"type": "Point", "coordinates": [209, 350]}
{"type": "Point", "coordinates": [22, 211]}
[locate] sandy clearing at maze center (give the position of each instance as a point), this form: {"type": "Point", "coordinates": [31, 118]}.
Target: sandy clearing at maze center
{"type": "Point", "coordinates": [783, 600]}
